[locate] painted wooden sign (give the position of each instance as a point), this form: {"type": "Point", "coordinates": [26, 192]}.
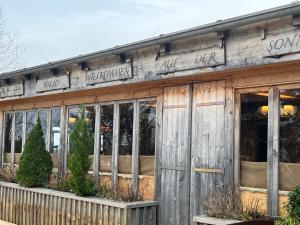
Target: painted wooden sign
{"type": "Point", "coordinates": [12, 90]}
{"type": "Point", "coordinates": [190, 60]}
{"type": "Point", "coordinates": [281, 44]}
{"type": "Point", "coordinates": [53, 83]}
{"type": "Point", "coordinates": [110, 73]}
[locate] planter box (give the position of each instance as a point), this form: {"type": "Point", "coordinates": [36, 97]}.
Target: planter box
{"type": "Point", "coordinates": [30, 206]}
{"type": "Point", "coordinates": [212, 220]}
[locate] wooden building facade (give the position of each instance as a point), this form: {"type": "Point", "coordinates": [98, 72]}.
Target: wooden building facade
{"type": "Point", "coordinates": [178, 115]}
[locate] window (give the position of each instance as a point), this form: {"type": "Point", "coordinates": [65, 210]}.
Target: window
{"type": "Point", "coordinates": [253, 139]}
{"type": "Point", "coordinates": [106, 137]}
{"type": "Point", "coordinates": [7, 136]}
{"type": "Point", "coordinates": [55, 131]}
{"type": "Point", "coordinates": [18, 135]}
{"type": "Point", "coordinates": [125, 138]}
{"type": "Point", "coordinates": [289, 144]}
{"type": "Point", "coordinates": [30, 120]}
{"type": "Point", "coordinates": [74, 114]}
{"type": "Point", "coordinates": [54, 136]}
{"type": "Point", "coordinates": [147, 137]}
{"type": "Point", "coordinates": [17, 126]}
{"type": "Point", "coordinates": [43, 116]}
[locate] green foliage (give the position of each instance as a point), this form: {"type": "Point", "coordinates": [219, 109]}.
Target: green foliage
{"type": "Point", "coordinates": [293, 204]}
{"type": "Point", "coordinates": [81, 143]}
{"type": "Point", "coordinates": [288, 220]}
{"type": "Point", "coordinates": [35, 164]}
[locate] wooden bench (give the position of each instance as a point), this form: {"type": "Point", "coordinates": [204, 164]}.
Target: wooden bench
{"type": "Point", "coordinates": [212, 220]}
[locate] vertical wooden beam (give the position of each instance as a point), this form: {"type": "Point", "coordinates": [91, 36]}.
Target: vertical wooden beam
{"type": "Point", "coordinates": [158, 146]}
{"type": "Point", "coordinates": [97, 143]}
{"type": "Point", "coordinates": [13, 133]}
{"type": "Point", "coordinates": [62, 142]}
{"type": "Point", "coordinates": [273, 150]}
{"type": "Point", "coordinates": [2, 125]}
{"type": "Point", "coordinates": [229, 134]}
{"type": "Point", "coordinates": [135, 146]}
{"type": "Point", "coordinates": [188, 163]}
{"type": "Point", "coordinates": [237, 131]}
{"type": "Point", "coordinates": [48, 130]}
{"type": "Point", "coordinates": [24, 130]}
{"type": "Point", "coordinates": [115, 153]}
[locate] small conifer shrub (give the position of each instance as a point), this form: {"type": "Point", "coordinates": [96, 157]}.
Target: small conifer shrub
{"type": "Point", "coordinates": [35, 165]}
{"type": "Point", "coordinates": [81, 143]}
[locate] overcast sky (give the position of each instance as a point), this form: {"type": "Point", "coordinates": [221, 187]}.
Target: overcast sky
{"type": "Point", "coordinates": [56, 29]}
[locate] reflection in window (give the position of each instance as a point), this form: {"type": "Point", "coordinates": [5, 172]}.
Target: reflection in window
{"type": "Point", "coordinates": [147, 137]}
{"type": "Point", "coordinates": [55, 131]}
{"type": "Point", "coordinates": [253, 139]}
{"type": "Point", "coordinates": [30, 119]}
{"type": "Point", "coordinates": [90, 118]}
{"type": "Point", "coordinates": [43, 118]}
{"type": "Point", "coordinates": [289, 151]}
{"type": "Point", "coordinates": [106, 137]}
{"type": "Point", "coordinates": [7, 136]}
{"type": "Point", "coordinates": [18, 132]}
{"type": "Point", "coordinates": [125, 137]}
{"type": "Point", "coordinates": [74, 114]}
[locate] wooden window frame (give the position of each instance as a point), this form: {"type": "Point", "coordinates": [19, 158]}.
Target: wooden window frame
{"type": "Point", "coordinates": [115, 148]}
{"type": "Point", "coordinates": [24, 127]}
{"type": "Point", "coordinates": [272, 190]}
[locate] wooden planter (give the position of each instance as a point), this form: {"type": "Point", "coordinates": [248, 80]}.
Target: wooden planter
{"type": "Point", "coordinates": [216, 221]}
{"type": "Point", "coordinates": [212, 220]}
{"type": "Point", "coordinates": [30, 206]}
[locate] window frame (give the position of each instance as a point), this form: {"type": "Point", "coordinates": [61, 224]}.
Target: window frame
{"type": "Point", "coordinates": [272, 189]}
{"type": "Point", "coordinates": [24, 128]}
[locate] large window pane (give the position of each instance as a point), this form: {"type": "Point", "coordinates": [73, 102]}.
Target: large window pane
{"type": "Point", "coordinates": [125, 138]}
{"type": "Point", "coordinates": [7, 137]}
{"type": "Point", "coordinates": [30, 120]}
{"type": "Point", "coordinates": [55, 136]}
{"type": "Point", "coordinates": [253, 139]}
{"type": "Point", "coordinates": [147, 137]}
{"type": "Point", "coordinates": [106, 137]}
{"type": "Point", "coordinates": [43, 118]}
{"type": "Point", "coordinates": [18, 135]}
{"type": "Point", "coordinates": [289, 152]}
{"type": "Point", "coordinates": [90, 118]}
{"type": "Point", "coordinates": [74, 114]}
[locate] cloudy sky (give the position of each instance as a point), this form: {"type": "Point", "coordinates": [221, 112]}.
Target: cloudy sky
{"type": "Point", "coordinates": [56, 29]}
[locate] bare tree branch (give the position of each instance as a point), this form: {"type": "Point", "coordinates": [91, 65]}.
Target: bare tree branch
{"type": "Point", "coordinates": [10, 48]}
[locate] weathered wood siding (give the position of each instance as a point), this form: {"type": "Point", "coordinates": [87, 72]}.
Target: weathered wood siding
{"type": "Point", "coordinates": [208, 151]}
{"type": "Point", "coordinates": [30, 206]}
{"type": "Point", "coordinates": [174, 201]}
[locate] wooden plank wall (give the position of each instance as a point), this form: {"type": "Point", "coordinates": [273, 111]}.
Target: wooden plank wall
{"type": "Point", "coordinates": [24, 206]}
{"type": "Point", "coordinates": [175, 159]}
{"type": "Point", "coordinates": [209, 159]}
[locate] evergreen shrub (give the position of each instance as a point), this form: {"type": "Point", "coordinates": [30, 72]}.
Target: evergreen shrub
{"type": "Point", "coordinates": [35, 165]}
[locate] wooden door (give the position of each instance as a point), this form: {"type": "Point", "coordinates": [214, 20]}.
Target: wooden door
{"type": "Point", "coordinates": [207, 144]}
{"type": "Point", "coordinates": [175, 157]}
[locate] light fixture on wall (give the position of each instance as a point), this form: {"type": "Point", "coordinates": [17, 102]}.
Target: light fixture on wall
{"type": "Point", "coordinates": [285, 110]}
{"type": "Point", "coordinates": [263, 110]}
{"type": "Point", "coordinates": [288, 111]}
{"type": "Point", "coordinates": [72, 120]}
